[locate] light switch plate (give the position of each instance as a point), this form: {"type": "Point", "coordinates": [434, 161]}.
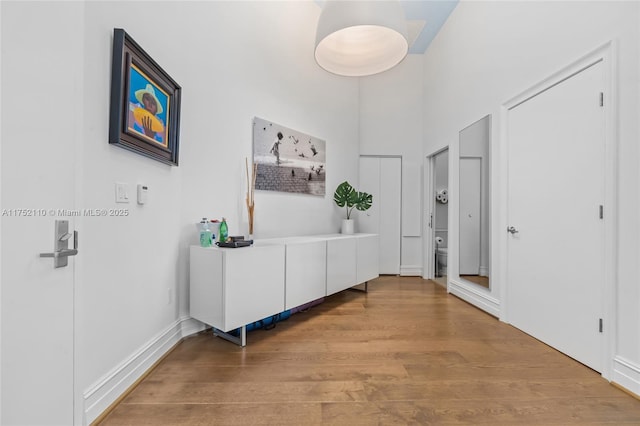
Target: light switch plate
{"type": "Point", "coordinates": [122, 193]}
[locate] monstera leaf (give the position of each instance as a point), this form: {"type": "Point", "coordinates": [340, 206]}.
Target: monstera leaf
{"type": "Point", "coordinates": [346, 196]}
{"type": "Point", "coordinates": [364, 201]}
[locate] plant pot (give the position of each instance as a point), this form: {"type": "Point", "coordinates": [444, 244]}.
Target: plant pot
{"type": "Point", "coordinates": [347, 226]}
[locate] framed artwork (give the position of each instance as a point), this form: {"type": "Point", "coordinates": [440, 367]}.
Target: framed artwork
{"type": "Point", "coordinates": [145, 103]}
{"type": "Point", "coordinates": [288, 160]}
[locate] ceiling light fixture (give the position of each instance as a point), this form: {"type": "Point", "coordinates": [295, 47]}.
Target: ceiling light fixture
{"type": "Point", "coordinates": [357, 38]}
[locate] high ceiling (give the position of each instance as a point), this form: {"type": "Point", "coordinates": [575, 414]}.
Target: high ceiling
{"type": "Point", "coordinates": [424, 20]}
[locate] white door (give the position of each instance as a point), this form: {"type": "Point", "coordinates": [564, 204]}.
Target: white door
{"type": "Point", "coordinates": [470, 199]}
{"type": "Point", "coordinates": [555, 190]}
{"type": "Point", "coordinates": [40, 101]}
{"type": "Point", "coordinates": [382, 177]}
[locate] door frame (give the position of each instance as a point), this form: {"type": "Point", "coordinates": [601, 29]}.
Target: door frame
{"type": "Point", "coordinates": [606, 54]}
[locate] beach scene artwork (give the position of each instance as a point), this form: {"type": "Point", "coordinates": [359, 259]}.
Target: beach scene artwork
{"type": "Point", "coordinates": [288, 160]}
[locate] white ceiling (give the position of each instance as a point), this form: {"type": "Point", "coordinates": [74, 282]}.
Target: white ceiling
{"type": "Point", "coordinates": [424, 20]}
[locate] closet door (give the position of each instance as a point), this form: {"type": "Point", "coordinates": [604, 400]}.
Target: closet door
{"type": "Point", "coordinates": [382, 177]}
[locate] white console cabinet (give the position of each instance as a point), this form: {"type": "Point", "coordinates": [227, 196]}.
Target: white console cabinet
{"type": "Point", "coordinates": [233, 287]}
{"type": "Point", "coordinates": [367, 260]}
{"type": "Point", "coordinates": [351, 259]}
{"type": "Point", "coordinates": [341, 263]}
{"type": "Point", "coordinates": [306, 272]}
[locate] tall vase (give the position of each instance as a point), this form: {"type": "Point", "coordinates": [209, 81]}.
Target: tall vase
{"type": "Point", "coordinates": [347, 226]}
{"type": "Point", "coordinates": [251, 210]}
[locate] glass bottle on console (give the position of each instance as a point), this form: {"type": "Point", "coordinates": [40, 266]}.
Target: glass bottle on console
{"type": "Point", "coordinates": [224, 231]}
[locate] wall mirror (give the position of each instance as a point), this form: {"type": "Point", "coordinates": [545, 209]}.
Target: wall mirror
{"type": "Point", "coordinates": [474, 204]}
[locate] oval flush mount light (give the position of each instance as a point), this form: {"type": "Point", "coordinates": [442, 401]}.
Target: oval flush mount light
{"type": "Point", "coordinates": [358, 38]}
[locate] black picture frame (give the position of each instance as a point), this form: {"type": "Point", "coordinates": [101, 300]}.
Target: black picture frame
{"type": "Point", "coordinates": [145, 103]}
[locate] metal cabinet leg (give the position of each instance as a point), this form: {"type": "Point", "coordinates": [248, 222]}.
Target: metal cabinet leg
{"type": "Point", "coordinates": [240, 341]}
{"type": "Point", "coordinates": [366, 288]}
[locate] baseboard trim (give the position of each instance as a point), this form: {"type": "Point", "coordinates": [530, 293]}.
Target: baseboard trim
{"type": "Point", "coordinates": [626, 374]}
{"type": "Point", "coordinates": [411, 271]}
{"type": "Point", "coordinates": [99, 397]}
{"type": "Point", "coordinates": [478, 297]}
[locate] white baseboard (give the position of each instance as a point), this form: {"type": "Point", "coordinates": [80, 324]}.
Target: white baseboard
{"type": "Point", "coordinates": [484, 271]}
{"type": "Point", "coordinates": [626, 374]}
{"type": "Point", "coordinates": [191, 326]}
{"type": "Point", "coordinates": [411, 270]}
{"type": "Point", "coordinates": [478, 297]}
{"type": "Point", "coordinates": [110, 387]}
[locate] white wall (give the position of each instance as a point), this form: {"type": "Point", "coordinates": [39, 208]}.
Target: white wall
{"type": "Point", "coordinates": [391, 113]}
{"type": "Point", "coordinates": [488, 52]}
{"type": "Point", "coordinates": [234, 61]}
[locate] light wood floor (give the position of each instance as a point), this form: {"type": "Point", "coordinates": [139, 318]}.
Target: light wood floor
{"type": "Point", "coordinates": [442, 280]}
{"type": "Point", "coordinates": [405, 353]}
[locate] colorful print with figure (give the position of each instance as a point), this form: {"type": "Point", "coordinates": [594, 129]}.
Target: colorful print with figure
{"type": "Point", "coordinates": [148, 106]}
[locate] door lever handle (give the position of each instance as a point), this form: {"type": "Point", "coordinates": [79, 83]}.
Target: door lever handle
{"type": "Point", "coordinates": [64, 252]}
{"type": "Point", "coordinates": [60, 253]}
{"type": "Point", "coordinates": [512, 230]}
{"type": "Point", "coordinates": [61, 243]}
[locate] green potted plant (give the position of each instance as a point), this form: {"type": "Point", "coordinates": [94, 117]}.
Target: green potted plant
{"type": "Point", "coordinates": [346, 196]}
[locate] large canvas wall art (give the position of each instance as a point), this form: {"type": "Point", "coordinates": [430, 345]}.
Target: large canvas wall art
{"type": "Point", "coordinates": [288, 160]}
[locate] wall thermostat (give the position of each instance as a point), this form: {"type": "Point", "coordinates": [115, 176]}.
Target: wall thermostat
{"type": "Point", "coordinates": [143, 191]}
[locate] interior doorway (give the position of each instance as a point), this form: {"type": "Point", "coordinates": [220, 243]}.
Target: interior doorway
{"type": "Point", "coordinates": [439, 216]}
